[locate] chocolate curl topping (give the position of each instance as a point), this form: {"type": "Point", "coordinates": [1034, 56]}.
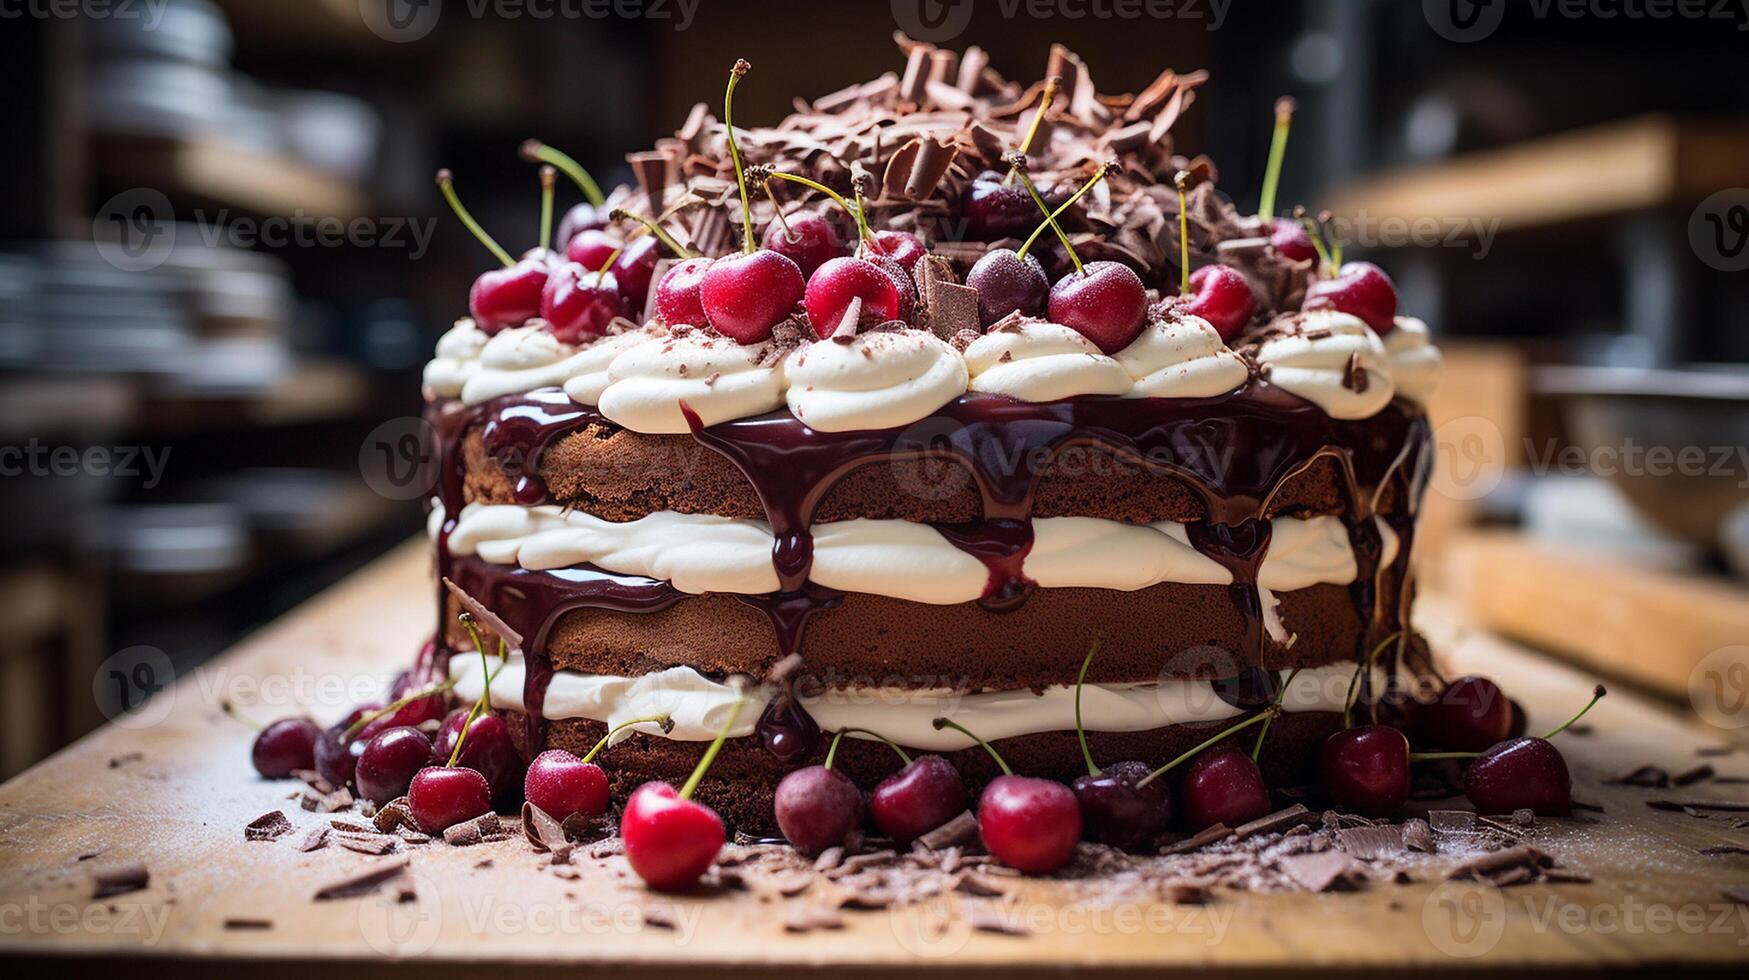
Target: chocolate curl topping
{"type": "Point", "coordinates": [917, 169]}
{"type": "Point", "coordinates": [511, 638]}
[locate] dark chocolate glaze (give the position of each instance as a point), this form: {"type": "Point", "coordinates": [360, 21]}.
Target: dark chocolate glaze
{"type": "Point", "coordinates": [1234, 451]}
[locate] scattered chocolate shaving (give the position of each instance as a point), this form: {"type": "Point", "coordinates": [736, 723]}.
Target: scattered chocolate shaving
{"type": "Point", "coordinates": [1505, 863]}
{"type": "Point", "coordinates": [984, 885]}
{"type": "Point", "coordinates": [487, 618]}
{"type": "Point", "coordinates": [125, 758]}
{"type": "Point", "coordinates": [395, 814]}
{"type": "Point", "coordinates": [1722, 849]}
{"type": "Point", "coordinates": [362, 883]}
{"type": "Point", "coordinates": [333, 802]}
{"type": "Point", "coordinates": [1418, 836]}
{"type": "Point", "coordinates": [1715, 751]}
{"type": "Point", "coordinates": [476, 831]}
{"type": "Point", "coordinates": [584, 829]}
{"type": "Point", "coordinates": [1321, 870]}
{"type": "Point", "coordinates": [960, 830]}
{"type": "Point", "coordinates": [830, 858]}
{"type": "Point", "coordinates": [1370, 843]}
{"type": "Point", "coordinates": [1736, 893]}
{"type": "Point", "coordinates": [986, 917]}
{"type": "Point", "coordinates": [374, 844]}
{"type": "Point", "coordinates": [1275, 822]}
{"type": "Point", "coordinates": [347, 826]}
{"type": "Point", "coordinates": [1649, 777]}
{"type": "Point", "coordinates": [806, 917]}
{"type": "Point", "coordinates": [1565, 876]}
{"type": "Point", "coordinates": [1689, 777]}
{"type": "Point", "coordinates": [248, 924]}
{"type": "Point", "coordinates": [1449, 821]}
{"type": "Point", "coordinates": [316, 839]}
{"type": "Point", "coordinates": [119, 879]}
{"type": "Point", "coordinates": [269, 826]}
{"type": "Point", "coordinates": [313, 780]}
{"type": "Point", "coordinates": [544, 833]}
{"type": "Point", "coordinates": [1200, 839]}
{"type": "Point", "coordinates": [1727, 806]}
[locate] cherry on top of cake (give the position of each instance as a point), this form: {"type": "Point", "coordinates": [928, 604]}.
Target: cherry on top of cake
{"type": "Point", "coordinates": [950, 163]}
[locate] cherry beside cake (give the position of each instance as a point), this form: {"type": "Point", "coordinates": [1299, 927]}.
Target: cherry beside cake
{"type": "Point", "coordinates": [852, 436]}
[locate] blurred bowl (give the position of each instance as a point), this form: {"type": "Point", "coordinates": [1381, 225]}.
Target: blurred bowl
{"type": "Point", "coordinates": [1673, 441]}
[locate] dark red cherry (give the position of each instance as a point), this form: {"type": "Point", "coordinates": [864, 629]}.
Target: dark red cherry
{"type": "Point", "coordinates": [1007, 283]}
{"type": "Point", "coordinates": [1220, 295]}
{"type": "Point", "coordinates": [562, 784]}
{"type": "Point", "coordinates": [1105, 302]}
{"type": "Point", "coordinates": [1522, 773]}
{"type": "Point", "coordinates": [1291, 240]}
{"type": "Point", "coordinates": [1115, 812]}
{"type": "Point", "coordinates": [925, 794]}
{"type": "Point", "coordinates": [336, 757]}
{"type": "Point", "coordinates": [902, 247]}
{"type": "Point", "coordinates": [582, 217]}
{"type": "Point", "coordinates": [1471, 714]}
{"type": "Point", "coordinates": [817, 808]}
{"type": "Point", "coordinates": [443, 796]}
{"type": "Point", "coordinates": [389, 761]}
{"type": "Point", "coordinates": [634, 269]}
{"type": "Point", "coordinates": [744, 296]}
{"type": "Point", "coordinates": [488, 749]}
{"type": "Point", "coordinates": [1224, 786]}
{"type": "Point", "coordinates": [1519, 722]}
{"type": "Point", "coordinates": [285, 747]}
{"type": "Point", "coordinates": [508, 296]}
{"type": "Point", "coordinates": [591, 248]}
{"type": "Point", "coordinates": [809, 242]}
{"type": "Point", "coordinates": [669, 842]}
{"type": "Point", "coordinates": [1360, 289]}
{"type": "Point", "coordinates": [1366, 770]}
{"type": "Point", "coordinates": [1029, 824]}
{"type": "Point", "coordinates": [841, 281]}
{"type": "Point", "coordinates": [677, 294]}
{"type": "Point", "coordinates": [578, 304]}
{"type": "Point", "coordinates": [995, 210]}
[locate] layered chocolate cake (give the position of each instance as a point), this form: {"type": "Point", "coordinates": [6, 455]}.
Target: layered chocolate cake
{"type": "Point", "coordinates": [927, 482]}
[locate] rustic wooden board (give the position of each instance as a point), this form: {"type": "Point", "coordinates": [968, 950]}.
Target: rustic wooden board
{"type": "Point", "coordinates": [176, 794]}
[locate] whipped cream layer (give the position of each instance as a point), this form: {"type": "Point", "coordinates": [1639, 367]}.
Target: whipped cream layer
{"type": "Point", "coordinates": [890, 378]}
{"type": "Point", "coordinates": [700, 706]}
{"type": "Point", "coordinates": [700, 553]}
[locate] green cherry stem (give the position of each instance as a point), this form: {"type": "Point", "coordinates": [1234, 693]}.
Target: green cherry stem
{"type": "Point", "coordinates": [906, 759]}
{"type": "Point", "coordinates": [941, 723]}
{"type": "Point", "coordinates": [1045, 209]}
{"type": "Point", "coordinates": [1349, 696]}
{"type": "Point", "coordinates": [1081, 733]}
{"type": "Point", "coordinates": [1038, 118]}
{"type": "Point", "coordinates": [710, 754]}
{"type": "Point", "coordinates": [1099, 175]}
{"type": "Point", "coordinates": [429, 690]}
{"type": "Point", "coordinates": [446, 184]}
{"type": "Point", "coordinates": [232, 713]}
{"type": "Point", "coordinates": [546, 206]}
{"type": "Point", "coordinates": [666, 722]}
{"type": "Point", "coordinates": [1317, 235]}
{"type": "Point", "coordinates": [1267, 714]}
{"type": "Point", "coordinates": [741, 67]}
{"type": "Point", "coordinates": [1596, 696]}
{"type": "Point", "coordinates": [1284, 117]}
{"type": "Point", "coordinates": [1280, 696]}
{"type": "Point", "coordinates": [536, 151]}
{"type": "Point", "coordinates": [853, 210]}
{"type": "Point", "coordinates": [1181, 180]}
{"type": "Point", "coordinates": [832, 750]}
{"type": "Point", "coordinates": [619, 214]}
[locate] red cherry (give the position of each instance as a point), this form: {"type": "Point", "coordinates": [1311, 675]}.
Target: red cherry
{"type": "Point", "coordinates": [579, 304]}
{"type": "Point", "coordinates": [582, 217]}
{"type": "Point", "coordinates": [335, 756]}
{"type": "Point", "coordinates": [902, 247]}
{"type": "Point", "coordinates": [443, 796]}
{"type": "Point", "coordinates": [1360, 289]}
{"type": "Point", "coordinates": [1222, 297]}
{"type": "Point", "coordinates": [669, 842]}
{"type": "Point", "coordinates": [634, 269]}
{"type": "Point", "coordinates": [1523, 773]}
{"type": "Point", "coordinates": [488, 749]}
{"type": "Point", "coordinates": [744, 296]}
{"type": "Point", "coordinates": [677, 295]}
{"type": "Point", "coordinates": [1115, 812]}
{"type": "Point", "coordinates": [1366, 769]}
{"type": "Point", "coordinates": [835, 285]}
{"type": "Point", "coordinates": [1224, 786]}
{"type": "Point", "coordinates": [591, 248]}
{"type": "Point", "coordinates": [284, 747]}
{"type": "Point", "coordinates": [562, 784]}
{"type": "Point", "coordinates": [1105, 302]}
{"type": "Point", "coordinates": [1029, 824]}
{"type": "Point", "coordinates": [1471, 714]}
{"type": "Point", "coordinates": [995, 209]}
{"type": "Point", "coordinates": [1007, 283]}
{"type": "Point", "coordinates": [809, 242]}
{"type": "Point", "coordinates": [817, 808]}
{"type": "Point", "coordinates": [389, 761]}
{"type": "Point", "coordinates": [925, 794]}
{"type": "Point", "coordinates": [509, 296]}
{"type": "Point", "coordinates": [1290, 239]}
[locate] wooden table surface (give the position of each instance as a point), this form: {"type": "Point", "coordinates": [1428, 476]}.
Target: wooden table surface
{"type": "Point", "coordinates": [173, 789]}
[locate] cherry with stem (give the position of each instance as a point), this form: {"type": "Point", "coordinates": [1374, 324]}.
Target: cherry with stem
{"type": "Point", "coordinates": [670, 841]}
{"type": "Point", "coordinates": [562, 784]}
{"type": "Point", "coordinates": [1284, 116]}
{"type": "Point", "coordinates": [817, 806]}
{"type": "Point", "coordinates": [1051, 85]}
{"type": "Point", "coordinates": [1525, 773]}
{"type": "Point", "coordinates": [536, 151]}
{"type": "Point", "coordinates": [1029, 824]}
{"type": "Point", "coordinates": [1113, 810]}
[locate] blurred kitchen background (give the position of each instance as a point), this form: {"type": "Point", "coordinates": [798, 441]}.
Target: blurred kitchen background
{"type": "Point", "coordinates": [165, 286]}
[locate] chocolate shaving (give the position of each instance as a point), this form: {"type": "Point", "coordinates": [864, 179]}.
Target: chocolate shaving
{"type": "Point", "coordinates": [1449, 821]}
{"type": "Point", "coordinates": [1721, 849]}
{"type": "Point", "coordinates": [916, 170]}
{"type": "Point", "coordinates": [487, 618]}
{"type": "Point", "coordinates": [1736, 893]}
{"type": "Point", "coordinates": [1727, 806]}
{"type": "Point", "coordinates": [962, 829]}
{"type": "Point", "coordinates": [374, 844]}
{"type": "Point", "coordinates": [362, 883]}
{"type": "Point", "coordinates": [986, 917]}
{"type": "Point", "coordinates": [1275, 822]}
{"type": "Point", "coordinates": [268, 826]}
{"type": "Point", "coordinates": [1321, 870]}
{"type": "Point", "coordinates": [1650, 777]}
{"type": "Point", "coordinates": [1371, 843]}
{"type": "Point", "coordinates": [395, 814]}
{"type": "Point", "coordinates": [806, 917]}
{"type": "Point", "coordinates": [545, 833]}
{"type": "Point", "coordinates": [1495, 865]}
{"type": "Point", "coordinates": [119, 879]}
{"type": "Point", "coordinates": [316, 839]}
{"type": "Point", "coordinates": [1689, 777]}
{"type": "Point", "coordinates": [241, 924]}
{"type": "Point", "coordinates": [1418, 836]}
{"type": "Point", "coordinates": [1200, 839]}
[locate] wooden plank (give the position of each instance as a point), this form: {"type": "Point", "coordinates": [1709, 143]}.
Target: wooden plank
{"type": "Point", "coordinates": [180, 804]}
{"type": "Point", "coordinates": [1641, 163]}
{"type": "Point", "coordinates": [1650, 627]}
